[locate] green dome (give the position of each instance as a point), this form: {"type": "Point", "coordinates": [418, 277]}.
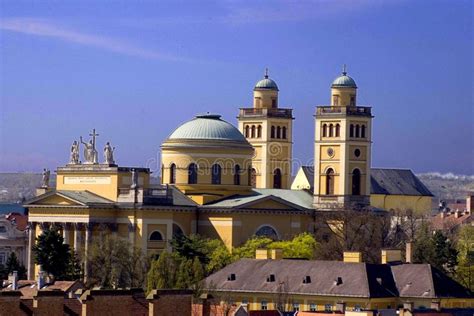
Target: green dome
{"type": "Point", "coordinates": [208, 126]}
{"type": "Point", "coordinates": [344, 81]}
{"type": "Point", "coordinates": [266, 83]}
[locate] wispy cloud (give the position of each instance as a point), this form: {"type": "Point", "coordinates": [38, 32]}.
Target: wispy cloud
{"type": "Point", "coordinates": [49, 29]}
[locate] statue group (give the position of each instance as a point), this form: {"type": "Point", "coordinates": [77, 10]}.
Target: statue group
{"type": "Point", "coordinates": [90, 152]}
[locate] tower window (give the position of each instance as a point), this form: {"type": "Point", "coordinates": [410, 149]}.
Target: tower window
{"type": "Point", "coordinates": [338, 130]}
{"type": "Point", "coordinates": [272, 132]}
{"type": "Point", "coordinates": [216, 174]}
{"type": "Point", "coordinates": [353, 100]}
{"type": "Point", "coordinates": [259, 131]}
{"type": "Point", "coordinates": [247, 131]}
{"type": "Point", "coordinates": [356, 182]}
{"type": "Point", "coordinates": [335, 100]}
{"type": "Point", "coordinates": [277, 179]}
{"type": "Point", "coordinates": [351, 131]}
{"type": "Point", "coordinates": [283, 132]}
{"type": "Point", "coordinates": [331, 130]}
{"type": "Point", "coordinates": [274, 103]}
{"type": "Point", "coordinates": [192, 173]}
{"type": "Point", "coordinates": [252, 177]}
{"type": "Point", "coordinates": [357, 133]}
{"type": "Point", "coordinates": [237, 175]}
{"type": "Point", "coordinates": [362, 131]}
{"type": "Point", "coordinates": [253, 131]}
{"type": "Point", "coordinates": [325, 130]}
{"type": "Point", "coordinates": [172, 173]}
{"type": "Point", "coordinates": [330, 181]}
{"type": "Point", "coordinates": [357, 152]}
{"type": "Point", "coordinates": [278, 132]}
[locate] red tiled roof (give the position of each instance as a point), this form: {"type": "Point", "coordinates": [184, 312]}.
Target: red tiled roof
{"type": "Point", "coordinates": [21, 220]}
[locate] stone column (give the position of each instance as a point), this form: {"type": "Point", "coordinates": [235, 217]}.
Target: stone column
{"type": "Point", "coordinates": [77, 238]}
{"type": "Point", "coordinates": [131, 233]}
{"type": "Point", "coordinates": [66, 229]}
{"type": "Point", "coordinates": [88, 238]}
{"type": "Point", "coordinates": [31, 242]}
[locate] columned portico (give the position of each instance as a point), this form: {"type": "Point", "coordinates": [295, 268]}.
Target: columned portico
{"type": "Point", "coordinates": [31, 242]}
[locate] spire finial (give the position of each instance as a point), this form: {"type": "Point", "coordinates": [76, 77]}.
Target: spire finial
{"type": "Point", "coordinates": [344, 70]}
{"type": "Point", "coordinates": [266, 73]}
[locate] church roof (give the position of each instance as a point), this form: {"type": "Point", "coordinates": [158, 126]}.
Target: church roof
{"type": "Point", "coordinates": [386, 182]}
{"type": "Point", "coordinates": [208, 127]}
{"type": "Point", "coordinates": [80, 197]}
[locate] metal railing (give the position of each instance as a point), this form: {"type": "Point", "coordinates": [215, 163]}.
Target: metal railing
{"type": "Point", "coordinates": [272, 112]}
{"type": "Point", "coordinates": [351, 110]}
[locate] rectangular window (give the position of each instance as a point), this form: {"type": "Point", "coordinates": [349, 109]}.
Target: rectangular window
{"type": "Point", "coordinates": [245, 301]}
{"type": "Point", "coordinates": [313, 307]}
{"type": "Point", "coordinates": [335, 100]}
{"type": "Point", "coordinates": [296, 307]}
{"type": "Point", "coordinates": [327, 307]}
{"type": "Point", "coordinates": [264, 305]}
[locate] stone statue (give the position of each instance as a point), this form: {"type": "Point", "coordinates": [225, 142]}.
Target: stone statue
{"type": "Point", "coordinates": [134, 179]}
{"type": "Point", "coordinates": [74, 157]}
{"type": "Point", "coordinates": [45, 178]}
{"type": "Point", "coordinates": [109, 154]}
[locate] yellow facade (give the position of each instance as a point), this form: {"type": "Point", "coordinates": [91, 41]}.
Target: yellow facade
{"type": "Point", "coordinates": [418, 204]}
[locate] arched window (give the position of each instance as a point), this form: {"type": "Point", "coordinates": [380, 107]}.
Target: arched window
{"type": "Point", "coordinates": [272, 133]}
{"type": "Point", "coordinates": [278, 132]}
{"type": "Point", "coordinates": [237, 175]}
{"type": "Point", "coordinates": [283, 132]}
{"type": "Point", "coordinates": [177, 231]}
{"type": "Point", "coordinates": [325, 130]}
{"type": "Point", "coordinates": [331, 130]}
{"type": "Point", "coordinates": [156, 236]}
{"type": "Point", "coordinates": [253, 178]}
{"type": "Point", "coordinates": [356, 182]}
{"type": "Point", "coordinates": [267, 231]}
{"type": "Point", "coordinates": [357, 131]}
{"type": "Point", "coordinates": [277, 179]}
{"type": "Point", "coordinates": [259, 131]}
{"type": "Point", "coordinates": [330, 181]}
{"type": "Point", "coordinates": [338, 130]}
{"type": "Point", "coordinates": [253, 131]}
{"type": "Point", "coordinates": [192, 173]}
{"type": "Point", "coordinates": [216, 174]}
{"type": "Point", "coordinates": [247, 131]}
{"type": "Point", "coordinates": [172, 173]}
{"type": "Point", "coordinates": [362, 131]}
{"type": "Point", "coordinates": [351, 131]}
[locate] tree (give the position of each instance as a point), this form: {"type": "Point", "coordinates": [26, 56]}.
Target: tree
{"type": "Point", "coordinates": [247, 250]}
{"type": "Point", "coordinates": [465, 247]}
{"type": "Point", "coordinates": [113, 263]}
{"type": "Point", "coordinates": [13, 264]}
{"type": "Point", "coordinates": [302, 246]}
{"type": "Point", "coordinates": [162, 273]}
{"type": "Point", "coordinates": [52, 254]}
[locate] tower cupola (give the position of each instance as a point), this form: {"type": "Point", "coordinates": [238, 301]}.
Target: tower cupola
{"type": "Point", "coordinates": [343, 90]}
{"type": "Point", "coordinates": [265, 93]}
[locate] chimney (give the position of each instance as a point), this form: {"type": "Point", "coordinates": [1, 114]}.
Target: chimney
{"type": "Point", "coordinates": [341, 307]}
{"type": "Point", "coordinates": [456, 214]}
{"type": "Point", "coordinates": [391, 256]}
{"type": "Point", "coordinates": [353, 256]}
{"type": "Point", "coordinates": [470, 204]}
{"type": "Point", "coordinates": [442, 214]}
{"type": "Point", "coordinates": [261, 254]}
{"type": "Point", "coordinates": [13, 279]}
{"type": "Point", "coordinates": [40, 282]}
{"type": "Point", "coordinates": [409, 252]}
{"type": "Point", "coordinates": [276, 254]}
{"type": "Point", "coordinates": [408, 306]}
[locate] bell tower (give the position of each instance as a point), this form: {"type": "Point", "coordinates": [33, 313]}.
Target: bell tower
{"type": "Point", "coordinates": [342, 149]}
{"type": "Point", "coordinates": [269, 130]}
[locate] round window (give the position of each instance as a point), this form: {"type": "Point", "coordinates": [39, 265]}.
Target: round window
{"type": "Point", "coordinates": [357, 152]}
{"type": "Point", "coordinates": [330, 152]}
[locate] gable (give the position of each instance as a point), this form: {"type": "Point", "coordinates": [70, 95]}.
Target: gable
{"type": "Point", "coordinates": [269, 204]}
{"type": "Point", "coordinates": [56, 199]}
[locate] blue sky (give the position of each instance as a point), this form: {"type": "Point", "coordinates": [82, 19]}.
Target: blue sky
{"type": "Point", "coordinates": [135, 70]}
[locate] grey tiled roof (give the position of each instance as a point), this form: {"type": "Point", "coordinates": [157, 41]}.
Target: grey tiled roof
{"type": "Point", "coordinates": [85, 197]}
{"type": "Point", "coordinates": [386, 181]}
{"type": "Point", "coordinates": [299, 199]}
{"type": "Point", "coordinates": [355, 279]}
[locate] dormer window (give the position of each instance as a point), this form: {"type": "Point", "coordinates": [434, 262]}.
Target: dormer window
{"type": "Point", "coordinates": [231, 277]}
{"type": "Point", "coordinates": [271, 278]}
{"type": "Point", "coordinates": [307, 279]}
{"type": "Point", "coordinates": [338, 281]}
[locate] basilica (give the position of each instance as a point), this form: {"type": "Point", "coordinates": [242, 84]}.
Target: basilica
{"type": "Point", "coordinates": [226, 182]}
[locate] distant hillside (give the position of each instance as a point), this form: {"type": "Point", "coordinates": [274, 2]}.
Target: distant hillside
{"type": "Point", "coordinates": [17, 186]}
{"type": "Point", "coordinates": [448, 186]}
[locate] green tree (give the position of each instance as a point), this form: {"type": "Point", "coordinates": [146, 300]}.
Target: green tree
{"type": "Point", "coordinates": [302, 246]}
{"type": "Point", "coordinates": [52, 254]}
{"type": "Point", "coordinates": [190, 247]}
{"type": "Point", "coordinates": [465, 248]}
{"type": "Point", "coordinates": [218, 256]}
{"type": "Point", "coordinates": [247, 250]}
{"type": "Point", "coordinates": [162, 273]}
{"type": "Point", "coordinates": [74, 268]}
{"type": "Point", "coordinates": [13, 264]}
{"type": "Point", "coordinates": [113, 263]}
